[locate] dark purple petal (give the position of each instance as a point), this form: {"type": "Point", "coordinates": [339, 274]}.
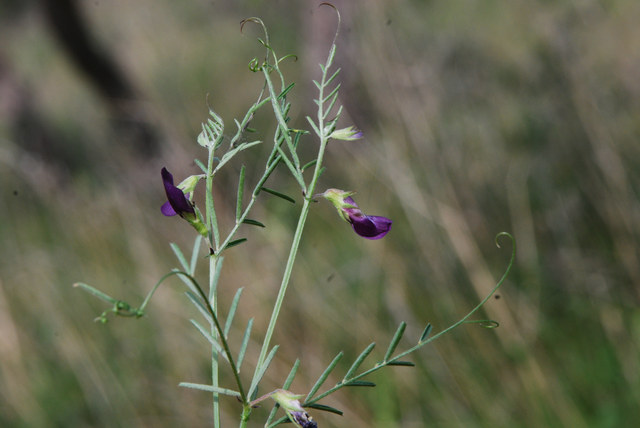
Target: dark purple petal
{"type": "Point", "coordinates": [177, 201]}
{"type": "Point", "coordinates": [370, 227]}
{"type": "Point", "coordinates": [367, 226]}
{"type": "Point", "coordinates": [304, 420]}
{"type": "Point", "coordinates": [168, 210]}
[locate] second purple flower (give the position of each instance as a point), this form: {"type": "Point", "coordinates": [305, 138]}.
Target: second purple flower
{"type": "Point", "coordinates": [367, 226]}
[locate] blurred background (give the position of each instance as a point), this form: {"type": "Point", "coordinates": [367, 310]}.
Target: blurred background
{"type": "Point", "coordinates": [479, 117]}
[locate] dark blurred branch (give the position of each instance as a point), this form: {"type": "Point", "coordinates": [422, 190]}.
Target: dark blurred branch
{"type": "Point", "coordinates": [102, 72]}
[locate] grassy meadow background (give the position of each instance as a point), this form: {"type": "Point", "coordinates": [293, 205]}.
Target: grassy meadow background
{"type": "Point", "coordinates": [479, 117]}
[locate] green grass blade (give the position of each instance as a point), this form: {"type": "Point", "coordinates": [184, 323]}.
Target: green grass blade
{"type": "Point", "coordinates": [332, 94]}
{"type": "Point", "coordinates": [310, 164]}
{"type": "Point", "coordinates": [213, 282]}
{"type": "Point", "coordinates": [245, 342]}
{"type": "Point", "coordinates": [200, 165]}
{"type": "Point", "coordinates": [360, 383]}
{"type": "Point", "coordinates": [292, 374]}
{"type": "Point", "coordinates": [394, 342]}
{"type": "Point", "coordinates": [210, 388]}
{"type": "Point", "coordinates": [332, 124]}
{"type": "Point", "coordinates": [232, 311]}
{"type": "Point", "coordinates": [210, 338]}
{"type": "Point", "coordinates": [332, 54]}
{"type": "Point", "coordinates": [212, 218]}
{"type": "Point", "coordinates": [298, 135]}
{"type": "Point", "coordinates": [253, 222]}
{"type": "Point", "coordinates": [425, 333]}
{"type": "Point", "coordinates": [180, 256]}
{"type": "Point", "coordinates": [333, 76]}
{"type": "Point", "coordinates": [240, 193]}
{"type": "Point", "coordinates": [278, 194]}
{"type": "Point", "coordinates": [231, 153]}
{"type": "Point", "coordinates": [260, 373]}
{"type": "Point", "coordinates": [313, 125]}
{"type": "Point", "coordinates": [323, 377]}
{"type": "Point", "coordinates": [292, 168]}
{"type": "Point", "coordinates": [282, 420]}
{"type": "Point", "coordinates": [234, 243]}
{"type": "Point", "coordinates": [199, 305]}
{"type": "Point", "coordinates": [329, 108]}
{"type": "Point", "coordinates": [194, 255]}
{"type": "Point", "coordinates": [401, 363]}
{"type": "Point", "coordinates": [359, 361]}
{"type": "Point", "coordinates": [325, 408]}
{"type": "Point", "coordinates": [99, 294]}
{"type": "Point", "coordinates": [286, 91]}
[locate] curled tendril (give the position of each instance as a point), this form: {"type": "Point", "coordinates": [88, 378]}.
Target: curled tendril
{"type": "Point", "coordinates": [335, 36]}
{"type": "Point", "coordinates": [120, 308]}
{"type": "Point", "coordinates": [265, 42]}
{"type": "Point", "coordinates": [294, 56]}
{"type": "Point", "coordinates": [508, 235]}
{"type": "Point", "coordinates": [254, 65]}
{"type": "Point", "coordinates": [255, 21]}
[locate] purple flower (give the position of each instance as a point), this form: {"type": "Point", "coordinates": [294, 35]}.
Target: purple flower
{"type": "Point", "coordinates": [349, 133]}
{"type": "Point", "coordinates": [177, 202]}
{"type": "Point", "coordinates": [367, 226]}
{"type": "Point", "coordinates": [291, 404]}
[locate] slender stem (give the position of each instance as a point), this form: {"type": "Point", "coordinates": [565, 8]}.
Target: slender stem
{"type": "Point", "coordinates": [303, 213]}
{"type": "Point", "coordinates": [246, 413]}
{"type": "Point", "coordinates": [294, 247]}
{"type": "Point", "coordinates": [284, 283]}
{"type": "Point", "coordinates": [153, 290]}
{"type": "Point", "coordinates": [215, 366]}
{"type": "Point", "coordinates": [211, 302]}
{"type": "Point", "coordinates": [212, 221]}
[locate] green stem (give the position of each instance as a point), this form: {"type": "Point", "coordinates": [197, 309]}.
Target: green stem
{"type": "Point", "coordinates": [212, 221]}
{"type": "Point", "coordinates": [213, 261]}
{"type": "Point", "coordinates": [214, 239]}
{"type": "Point", "coordinates": [284, 283]}
{"type": "Point", "coordinates": [246, 413]}
{"type": "Point", "coordinates": [303, 214]}
{"type": "Point", "coordinates": [292, 256]}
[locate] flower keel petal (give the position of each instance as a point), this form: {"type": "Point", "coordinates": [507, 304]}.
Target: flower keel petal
{"type": "Point", "coordinates": [176, 197]}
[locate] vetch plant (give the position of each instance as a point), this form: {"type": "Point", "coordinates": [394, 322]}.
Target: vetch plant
{"type": "Point", "coordinates": [216, 322]}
